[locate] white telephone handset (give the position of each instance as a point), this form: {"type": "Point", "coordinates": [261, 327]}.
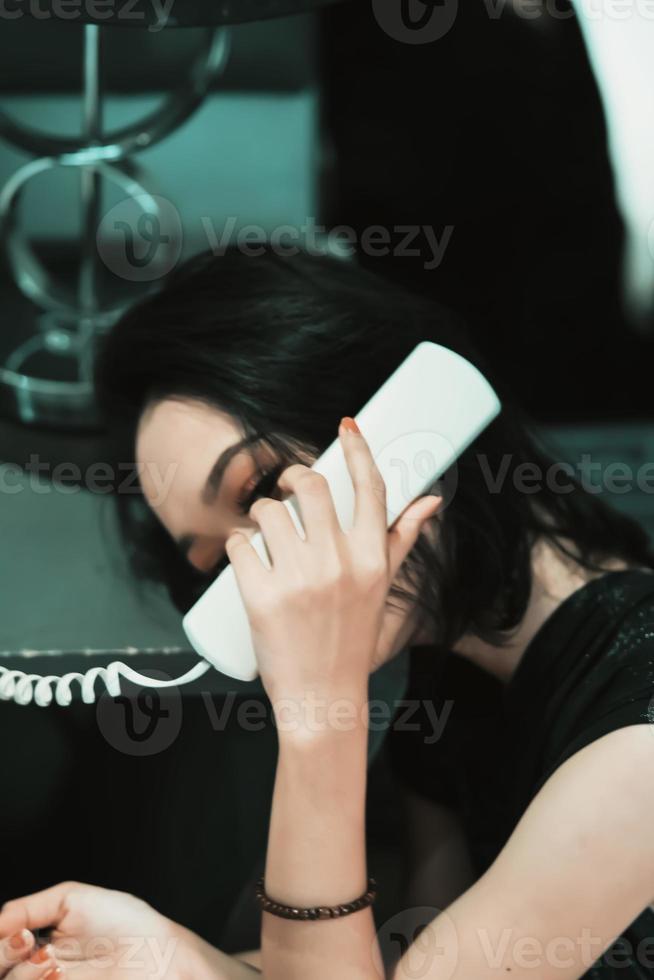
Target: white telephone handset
{"type": "Point", "coordinates": [417, 424]}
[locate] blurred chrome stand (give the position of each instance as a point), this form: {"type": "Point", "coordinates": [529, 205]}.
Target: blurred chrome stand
{"type": "Point", "coordinates": [73, 317]}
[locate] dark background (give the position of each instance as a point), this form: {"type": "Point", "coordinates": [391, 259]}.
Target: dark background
{"type": "Point", "coordinates": [498, 130]}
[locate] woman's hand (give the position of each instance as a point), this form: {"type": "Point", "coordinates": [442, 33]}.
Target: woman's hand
{"type": "Point", "coordinates": [318, 614]}
{"type": "Point", "coordinates": [94, 927]}
{"type": "Point", "coordinates": [20, 959]}
{"type": "Point", "coordinates": [96, 932]}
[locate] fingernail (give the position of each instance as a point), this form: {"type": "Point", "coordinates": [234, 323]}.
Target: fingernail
{"type": "Point", "coordinates": [19, 939]}
{"type": "Point", "coordinates": [350, 425]}
{"type": "Point", "coordinates": [42, 954]}
{"type": "Point", "coordinates": [54, 974]}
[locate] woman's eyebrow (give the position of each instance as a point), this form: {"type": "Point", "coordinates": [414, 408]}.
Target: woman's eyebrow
{"type": "Point", "coordinates": [212, 484]}
{"type": "Point", "coordinates": [217, 472]}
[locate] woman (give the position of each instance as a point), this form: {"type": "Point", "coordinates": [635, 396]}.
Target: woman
{"type": "Point", "coordinates": [523, 592]}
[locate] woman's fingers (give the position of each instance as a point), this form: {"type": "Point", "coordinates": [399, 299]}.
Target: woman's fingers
{"type": "Point", "coordinates": [315, 502]}
{"type": "Point", "coordinates": [369, 486]}
{"type": "Point", "coordinates": [27, 971]}
{"type": "Point", "coordinates": [276, 525]}
{"type": "Point", "coordinates": [247, 565]}
{"type": "Point", "coordinates": [37, 911]}
{"type": "Point", "coordinates": [36, 971]}
{"type": "Point", "coordinates": [39, 964]}
{"type": "Point", "coordinates": [14, 948]}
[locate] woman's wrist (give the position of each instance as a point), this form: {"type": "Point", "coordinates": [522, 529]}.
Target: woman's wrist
{"type": "Point", "coordinates": [322, 714]}
{"type": "Point", "coordinates": [320, 789]}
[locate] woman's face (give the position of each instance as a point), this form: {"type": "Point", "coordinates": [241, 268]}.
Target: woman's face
{"type": "Point", "coordinates": [199, 479]}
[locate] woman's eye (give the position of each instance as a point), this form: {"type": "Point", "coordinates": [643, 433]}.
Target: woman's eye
{"type": "Point", "coordinates": [264, 488]}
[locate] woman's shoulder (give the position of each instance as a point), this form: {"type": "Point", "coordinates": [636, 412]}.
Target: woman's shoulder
{"type": "Point", "coordinates": [593, 668]}
{"type": "Point", "coordinates": [598, 626]}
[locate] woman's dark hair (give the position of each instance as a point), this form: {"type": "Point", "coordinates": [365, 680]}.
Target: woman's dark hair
{"type": "Point", "coordinates": [289, 345]}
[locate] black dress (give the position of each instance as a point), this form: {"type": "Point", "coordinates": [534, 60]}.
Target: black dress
{"type": "Point", "coordinates": [588, 670]}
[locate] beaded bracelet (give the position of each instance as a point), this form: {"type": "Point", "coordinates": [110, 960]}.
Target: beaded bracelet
{"type": "Point", "coordinates": [318, 911]}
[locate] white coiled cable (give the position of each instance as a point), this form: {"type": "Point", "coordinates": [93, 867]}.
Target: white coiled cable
{"type": "Point", "coordinates": [23, 688]}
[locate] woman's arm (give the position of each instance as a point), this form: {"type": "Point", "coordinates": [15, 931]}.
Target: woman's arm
{"type": "Point", "coordinates": [440, 864]}
{"type": "Point", "coordinates": [319, 620]}
{"type": "Point", "coordinates": [578, 869]}
{"type": "Point", "coordinates": [251, 957]}
{"type": "Point", "coordinates": [316, 852]}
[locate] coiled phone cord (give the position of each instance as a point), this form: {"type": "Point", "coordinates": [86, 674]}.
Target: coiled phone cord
{"type": "Point", "coordinates": [23, 688]}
